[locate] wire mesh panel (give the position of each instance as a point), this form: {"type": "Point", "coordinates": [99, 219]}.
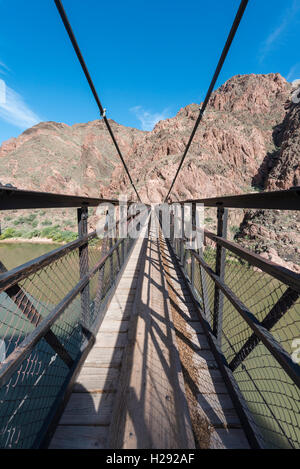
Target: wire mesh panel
{"type": "Point", "coordinates": [272, 396]}
{"type": "Point", "coordinates": [272, 302]}
{"type": "Point", "coordinates": [31, 389]}
{"type": "Point", "coordinates": [25, 304]}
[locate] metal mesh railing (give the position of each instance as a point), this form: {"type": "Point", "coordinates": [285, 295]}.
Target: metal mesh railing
{"type": "Point", "coordinates": [266, 374]}
{"type": "Point", "coordinates": [272, 397]}
{"type": "Point", "coordinates": [47, 314]}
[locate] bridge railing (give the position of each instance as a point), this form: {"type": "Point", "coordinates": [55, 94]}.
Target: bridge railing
{"type": "Point", "coordinates": [50, 310]}
{"type": "Point", "coordinates": [251, 311]}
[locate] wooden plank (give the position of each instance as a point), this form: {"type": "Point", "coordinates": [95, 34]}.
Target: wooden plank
{"type": "Point", "coordinates": [218, 410]}
{"type": "Point", "coordinates": [117, 307]}
{"type": "Point", "coordinates": [104, 357]}
{"type": "Point", "coordinates": [110, 339]}
{"type": "Point", "coordinates": [127, 285]}
{"type": "Point", "coordinates": [93, 394]}
{"type": "Point", "coordinates": [195, 342]}
{"type": "Point", "coordinates": [250, 428]}
{"type": "Point", "coordinates": [211, 406]}
{"type": "Point", "coordinates": [88, 409]}
{"type": "Point", "coordinates": [96, 379]}
{"type": "Point", "coordinates": [124, 297]}
{"type": "Point", "coordinates": [188, 313]}
{"type": "Point", "coordinates": [115, 315]}
{"type": "Point", "coordinates": [150, 410]}
{"type": "Point", "coordinates": [114, 326]}
{"type": "Point", "coordinates": [194, 326]}
{"type": "Point", "coordinates": [79, 437]}
{"type": "Point", "coordinates": [224, 439]}
{"type": "Point", "coordinates": [210, 381]}
{"type": "Point", "coordinates": [204, 359]}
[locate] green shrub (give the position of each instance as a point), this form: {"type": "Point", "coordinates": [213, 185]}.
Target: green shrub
{"type": "Point", "coordinates": [31, 217]}
{"type": "Point", "coordinates": [34, 234]}
{"type": "Point", "coordinates": [9, 233]}
{"type": "Point", "coordinates": [47, 232]}
{"type": "Point", "coordinates": [68, 223]}
{"type": "Point", "coordinates": [46, 222]}
{"type": "Point", "coordinates": [234, 229]}
{"type": "Point", "coordinates": [19, 221]}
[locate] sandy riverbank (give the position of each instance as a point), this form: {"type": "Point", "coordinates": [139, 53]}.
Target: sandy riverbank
{"type": "Point", "coordinates": [30, 241]}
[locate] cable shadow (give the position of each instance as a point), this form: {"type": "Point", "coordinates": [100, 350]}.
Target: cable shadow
{"type": "Point", "coordinates": [144, 416]}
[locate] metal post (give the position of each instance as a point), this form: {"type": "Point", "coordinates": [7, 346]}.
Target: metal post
{"type": "Point", "coordinates": [101, 277]}
{"type": "Point", "coordinates": [123, 251]}
{"type": "Point", "coordinates": [198, 271]}
{"type": "Point", "coordinates": [118, 257]}
{"type": "Point", "coordinates": [220, 271]}
{"type": "Point", "coordinates": [182, 237]}
{"type": "Point", "coordinates": [82, 216]}
{"type": "Point", "coordinates": [192, 257]}
{"type": "Point", "coordinates": [172, 229]}
{"type": "Point", "coordinates": [110, 234]}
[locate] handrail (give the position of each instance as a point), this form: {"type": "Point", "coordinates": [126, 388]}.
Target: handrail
{"type": "Point", "coordinates": [12, 198]}
{"type": "Point", "coordinates": [19, 273]}
{"type": "Point", "coordinates": [11, 363]}
{"type": "Point", "coordinates": [283, 274]}
{"type": "Point", "coordinates": [213, 312]}
{"type": "Point", "coordinates": [278, 352]}
{"type": "Point", "coordinates": [280, 200]}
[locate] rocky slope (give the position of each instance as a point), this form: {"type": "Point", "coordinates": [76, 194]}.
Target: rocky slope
{"type": "Point", "coordinates": [274, 234]}
{"type": "Point", "coordinates": [248, 139]}
{"type": "Point", "coordinates": [228, 151]}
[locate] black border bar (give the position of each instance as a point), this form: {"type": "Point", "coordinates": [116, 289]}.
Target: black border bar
{"type": "Point", "coordinates": [277, 200]}
{"type": "Point", "coordinates": [14, 199]}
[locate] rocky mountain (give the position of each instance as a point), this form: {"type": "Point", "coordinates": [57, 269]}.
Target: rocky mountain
{"type": "Point", "coordinates": [229, 151]}
{"type": "Point", "coordinates": [274, 234]}
{"type": "Point", "coordinates": [249, 139]}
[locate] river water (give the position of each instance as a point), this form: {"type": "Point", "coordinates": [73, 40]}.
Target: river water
{"type": "Point", "coordinates": [15, 254]}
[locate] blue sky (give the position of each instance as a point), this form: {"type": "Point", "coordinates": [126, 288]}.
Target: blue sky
{"type": "Point", "coordinates": [147, 58]}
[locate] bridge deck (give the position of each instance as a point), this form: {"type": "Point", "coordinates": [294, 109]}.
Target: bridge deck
{"type": "Point", "coordinates": [150, 380]}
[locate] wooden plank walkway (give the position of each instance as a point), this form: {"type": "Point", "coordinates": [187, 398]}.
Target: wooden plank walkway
{"type": "Point", "coordinates": [87, 416]}
{"type": "Point", "coordinates": [150, 380]}
{"type": "Point", "coordinates": [151, 409]}
{"type": "Point", "coordinates": [214, 420]}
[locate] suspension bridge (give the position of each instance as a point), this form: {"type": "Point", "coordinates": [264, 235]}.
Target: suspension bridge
{"type": "Point", "coordinates": [142, 341]}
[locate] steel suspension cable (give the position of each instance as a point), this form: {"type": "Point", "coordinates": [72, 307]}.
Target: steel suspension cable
{"type": "Point", "coordinates": [69, 30]}
{"type": "Point", "coordinates": [230, 38]}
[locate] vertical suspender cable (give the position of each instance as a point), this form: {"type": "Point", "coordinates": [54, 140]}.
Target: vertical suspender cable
{"type": "Point", "coordinates": [231, 35]}
{"type": "Point", "coordinates": [67, 25]}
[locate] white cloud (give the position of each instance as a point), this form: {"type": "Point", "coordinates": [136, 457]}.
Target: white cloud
{"type": "Point", "coordinates": [149, 119]}
{"type": "Point", "coordinates": [294, 72]}
{"type": "Point", "coordinates": [287, 18]}
{"type": "Point", "coordinates": [15, 111]}
{"type": "Point", "coordinates": [3, 68]}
